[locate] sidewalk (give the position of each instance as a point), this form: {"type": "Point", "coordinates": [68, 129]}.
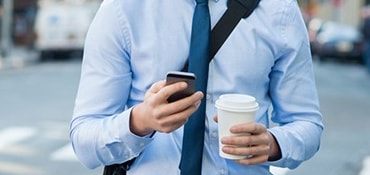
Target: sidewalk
{"type": "Point", "coordinates": [17, 58]}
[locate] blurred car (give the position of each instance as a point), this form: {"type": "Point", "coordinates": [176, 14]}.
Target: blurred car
{"type": "Point", "coordinates": [61, 26]}
{"type": "Point", "coordinates": [334, 40]}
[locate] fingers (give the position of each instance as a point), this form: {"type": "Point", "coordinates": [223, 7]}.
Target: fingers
{"type": "Point", "coordinates": [177, 113]}
{"type": "Point", "coordinates": [166, 117]}
{"type": "Point", "coordinates": [254, 154]}
{"type": "Point", "coordinates": [164, 91]}
{"type": "Point", "coordinates": [182, 104]}
{"type": "Point", "coordinates": [156, 87]}
{"type": "Point", "coordinates": [253, 160]}
{"type": "Point", "coordinates": [250, 127]}
{"type": "Point", "coordinates": [248, 134]}
{"type": "Point", "coordinates": [251, 140]}
{"type": "Point", "coordinates": [169, 123]}
{"type": "Point", "coordinates": [246, 140]}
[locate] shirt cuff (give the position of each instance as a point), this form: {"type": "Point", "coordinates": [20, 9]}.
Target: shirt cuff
{"type": "Point", "coordinates": [133, 144]}
{"type": "Point", "coordinates": [281, 140]}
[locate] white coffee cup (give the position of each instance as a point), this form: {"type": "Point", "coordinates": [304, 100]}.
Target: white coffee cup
{"type": "Point", "coordinates": [233, 109]}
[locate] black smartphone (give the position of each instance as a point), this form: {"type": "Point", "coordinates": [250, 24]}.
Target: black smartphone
{"type": "Point", "coordinates": [177, 76]}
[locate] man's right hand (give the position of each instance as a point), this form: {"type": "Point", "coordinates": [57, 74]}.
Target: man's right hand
{"type": "Point", "coordinates": [156, 114]}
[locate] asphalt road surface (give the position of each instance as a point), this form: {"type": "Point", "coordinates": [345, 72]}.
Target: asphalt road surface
{"type": "Point", "coordinates": [36, 104]}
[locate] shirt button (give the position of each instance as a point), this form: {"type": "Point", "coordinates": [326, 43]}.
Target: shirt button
{"type": "Point", "coordinates": [142, 144]}
{"type": "Point", "coordinates": [214, 134]}
{"type": "Point", "coordinates": [208, 96]}
{"type": "Point", "coordinates": [222, 171]}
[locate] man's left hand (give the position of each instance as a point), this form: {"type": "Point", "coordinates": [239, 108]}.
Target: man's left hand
{"type": "Point", "coordinates": [253, 141]}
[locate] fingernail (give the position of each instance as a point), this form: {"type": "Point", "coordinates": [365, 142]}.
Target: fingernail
{"type": "Point", "coordinates": [200, 95]}
{"type": "Point", "coordinates": [183, 85]}
{"type": "Point", "coordinates": [224, 140]}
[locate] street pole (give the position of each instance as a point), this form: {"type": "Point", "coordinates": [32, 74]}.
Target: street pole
{"type": "Point", "coordinates": [6, 27]}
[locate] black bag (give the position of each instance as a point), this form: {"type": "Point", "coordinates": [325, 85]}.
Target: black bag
{"type": "Point", "coordinates": [118, 169]}
{"type": "Point", "coordinates": [237, 9]}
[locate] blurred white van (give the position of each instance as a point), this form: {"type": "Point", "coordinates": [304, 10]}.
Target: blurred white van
{"type": "Point", "coordinates": [61, 26]}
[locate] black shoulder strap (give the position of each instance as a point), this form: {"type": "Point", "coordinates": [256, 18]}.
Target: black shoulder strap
{"type": "Point", "coordinates": [237, 9]}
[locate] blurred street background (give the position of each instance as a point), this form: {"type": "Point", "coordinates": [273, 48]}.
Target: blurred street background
{"type": "Point", "coordinates": [41, 45]}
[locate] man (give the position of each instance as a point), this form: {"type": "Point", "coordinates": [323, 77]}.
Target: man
{"type": "Point", "coordinates": [122, 112]}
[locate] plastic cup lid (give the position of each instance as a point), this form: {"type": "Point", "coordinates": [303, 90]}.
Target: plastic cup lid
{"type": "Point", "coordinates": [237, 102]}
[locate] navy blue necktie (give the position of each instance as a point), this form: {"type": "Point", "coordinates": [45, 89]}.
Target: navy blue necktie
{"type": "Point", "coordinates": [193, 141]}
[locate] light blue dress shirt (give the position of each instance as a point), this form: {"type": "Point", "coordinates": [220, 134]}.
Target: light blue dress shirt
{"type": "Point", "coordinates": [133, 43]}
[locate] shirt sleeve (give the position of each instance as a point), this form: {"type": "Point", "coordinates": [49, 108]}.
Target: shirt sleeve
{"type": "Point", "coordinates": [99, 130]}
{"type": "Point", "coordinates": [294, 95]}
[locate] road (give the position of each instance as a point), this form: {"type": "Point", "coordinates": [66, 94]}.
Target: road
{"type": "Point", "coordinates": [36, 104]}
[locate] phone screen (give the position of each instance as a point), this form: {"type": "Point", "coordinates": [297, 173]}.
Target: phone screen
{"type": "Point", "coordinates": [176, 76]}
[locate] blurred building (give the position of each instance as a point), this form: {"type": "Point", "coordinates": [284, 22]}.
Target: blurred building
{"type": "Point", "coordinates": [342, 11]}
{"type": "Point", "coordinates": [23, 19]}
{"type": "Point", "coordinates": [22, 16]}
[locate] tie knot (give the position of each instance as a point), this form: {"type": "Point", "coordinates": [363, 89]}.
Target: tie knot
{"type": "Point", "coordinates": [201, 1]}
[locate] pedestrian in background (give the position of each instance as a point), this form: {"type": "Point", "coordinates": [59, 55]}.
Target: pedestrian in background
{"type": "Point", "coordinates": [122, 112]}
